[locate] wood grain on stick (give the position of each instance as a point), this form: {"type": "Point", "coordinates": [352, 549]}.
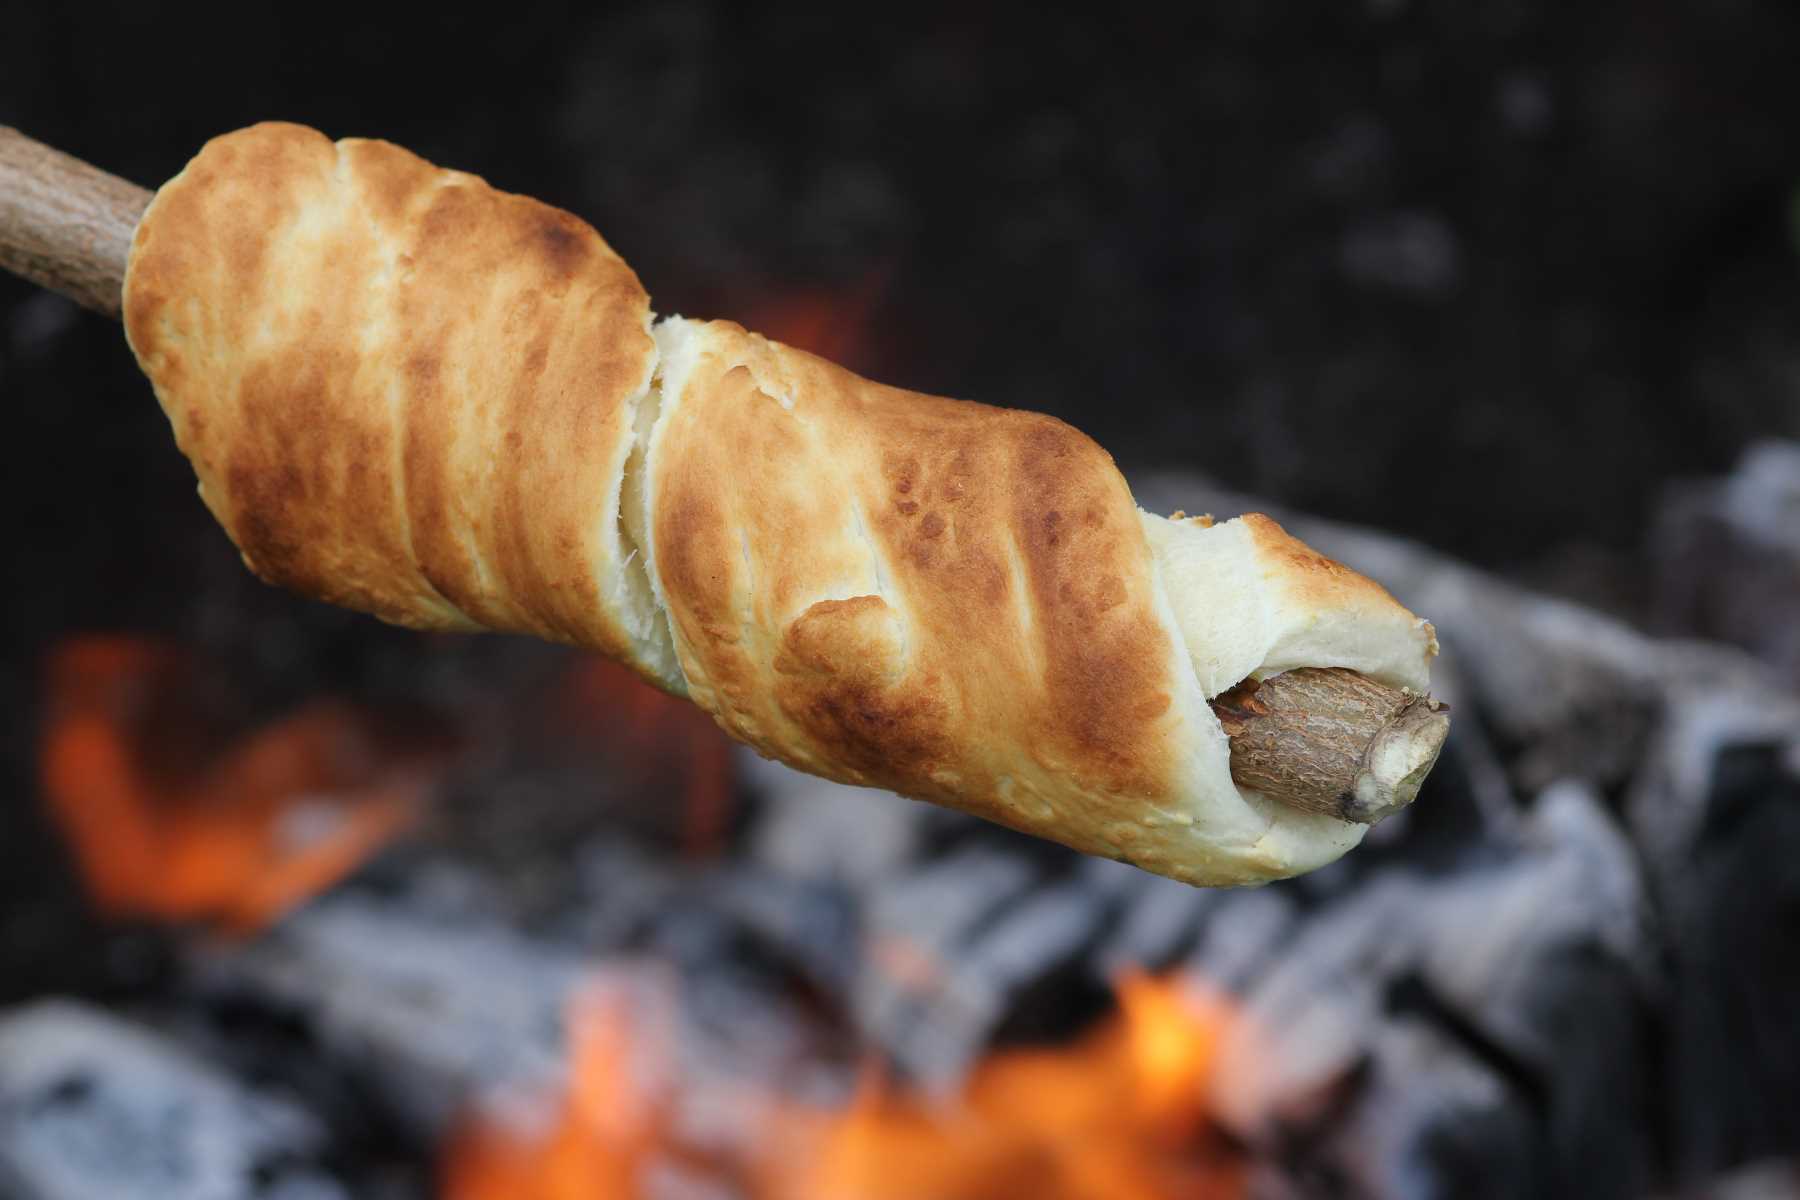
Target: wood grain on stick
{"type": "Point", "coordinates": [63, 224]}
{"type": "Point", "coordinates": [1325, 740]}
{"type": "Point", "coordinates": [1332, 741]}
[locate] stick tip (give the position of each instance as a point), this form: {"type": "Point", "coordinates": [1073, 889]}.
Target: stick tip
{"type": "Point", "coordinates": [1398, 760]}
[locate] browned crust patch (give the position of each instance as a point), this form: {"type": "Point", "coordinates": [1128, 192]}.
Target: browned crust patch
{"type": "Point", "coordinates": [877, 633]}
{"type": "Point", "coordinates": [402, 390]}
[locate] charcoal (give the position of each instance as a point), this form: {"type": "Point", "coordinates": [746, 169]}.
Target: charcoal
{"type": "Point", "coordinates": [1158, 921]}
{"type": "Point", "coordinates": [1529, 972]}
{"type": "Point", "coordinates": [1776, 1178]}
{"type": "Point", "coordinates": [434, 998]}
{"type": "Point", "coordinates": [1488, 934]}
{"type": "Point", "coordinates": [95, 1107]}
{"type": "Point", "coordinates": [1509, 913]}
{"type": "Point", "coordinates": [980, 940]}
{"type": "Point", "coordinates": [621, 888]}
{"type": "Point", "coordinates": [814, 829]}
{"type": "Point", "coordinates": [1428, 1121]}
{"type": "Point", "coordinates": [1432, 1122]}
{"type": "Point", "coordinates": [436, 1005]}
{"type": "Point", "coordinates": [744, 1013]}
{"type": "Point", "coordinates": [1728, 557]}
{"type": "Point", "coordinates": [1565, 965]}
{"type": "Point", "coordinates": [1020, 959]}
{"type": "Point", "coordinates": [1695, 744]}
{"type": "Point", "coordinates": [808, 926]}
{"type": "Point", "coordinates": [911, 999]}
{"type": "Point", "coordinates": [1720, 827]}
{"type": "Point", "coordinates": [1245, 934]}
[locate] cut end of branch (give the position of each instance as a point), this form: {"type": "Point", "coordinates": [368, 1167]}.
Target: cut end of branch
{"type": "Point", "coordinates": [1330, 740]}
{"type": "Point", "coordinates": [1399, 758]}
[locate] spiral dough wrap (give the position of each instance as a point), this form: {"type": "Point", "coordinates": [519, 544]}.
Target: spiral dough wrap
{"type": "Point", "coordinates": [408, 393]}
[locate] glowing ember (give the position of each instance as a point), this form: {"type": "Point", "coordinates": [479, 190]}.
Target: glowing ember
{"type": "Point", "coordinates": [166, 823]}
{"type": "Point", "coordinates": [1116, 1116]}
{"type": "Point", "coordinates": [594, 1142]}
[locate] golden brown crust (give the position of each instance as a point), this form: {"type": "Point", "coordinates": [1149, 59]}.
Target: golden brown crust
{"type": "Point", "coordinates": [402, 390]}
{"type": "Point", "coordinates": [1314, 583]}
{"type": "Point", "coordinates": [942, 598]}
{"type": "Point", "coordinates": [1319, 581]}
{"type": "Point", "coordinates": [406, 392]}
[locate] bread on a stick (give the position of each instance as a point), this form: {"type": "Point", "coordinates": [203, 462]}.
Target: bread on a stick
{"type": "Point", "coordinates": [406, 392]}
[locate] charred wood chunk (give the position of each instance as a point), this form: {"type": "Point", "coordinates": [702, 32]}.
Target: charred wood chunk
{"type": "Point", "coordinates": [435, 1007]}
{"type": "Point", "coordinates": [93, 1105]}
{"type": "Point", "coordinates": [1733, 1093]}
{"type": "Point", "coordinates": [1728, 558]}
{"type": "Point", "coordinates": [1481, 1024]}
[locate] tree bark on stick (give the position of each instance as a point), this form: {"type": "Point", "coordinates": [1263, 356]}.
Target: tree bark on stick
{"type": "Point", "coordinates": [1332, 741]}
{"type": "Point", "coordinates": [1327, 740]}
{"type": "Point", "coordinates": [65, 225]}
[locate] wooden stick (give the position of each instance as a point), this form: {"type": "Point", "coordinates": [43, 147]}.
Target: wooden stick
{"type": "Point", "coordinates": [1332, 741]}
{"type": "Point", "coordinates": [1325, 740]}
{"type": "Point", "coordinates": [63, 224]}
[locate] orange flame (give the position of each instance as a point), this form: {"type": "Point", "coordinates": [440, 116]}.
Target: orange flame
{"type": "Point", "coordinates": [1116, 1116]}
{"type": "Point", "coordinates": [162, 828]}
{"type": "Point", "coordinates": [596, 1142]}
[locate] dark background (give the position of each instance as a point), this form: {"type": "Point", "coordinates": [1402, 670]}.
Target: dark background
{"type": "Point", "coordinates": [1488, 275]}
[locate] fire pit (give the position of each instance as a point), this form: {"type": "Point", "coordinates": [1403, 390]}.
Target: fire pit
{"type": "Point", "coordinates": [502, 922]}
{"type": "Point", "coordinates": [298, 906]}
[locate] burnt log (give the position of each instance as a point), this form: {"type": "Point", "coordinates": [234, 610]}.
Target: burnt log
{"type": "Point", "coordinates": [1693, 751]}
{"type": "Point", "coordinates": [437, 1006]}
{"type": "Point", "coordinates": [1513, 994]}
{"type": "Point", "coordinates": [93, 1106]}
{"type": "Point", "coordinates": [1727, 562]}
{"type": "Point", "coordinates": [419, 979]}
{"type": "Point", "coordinates": [1466, 1005]}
